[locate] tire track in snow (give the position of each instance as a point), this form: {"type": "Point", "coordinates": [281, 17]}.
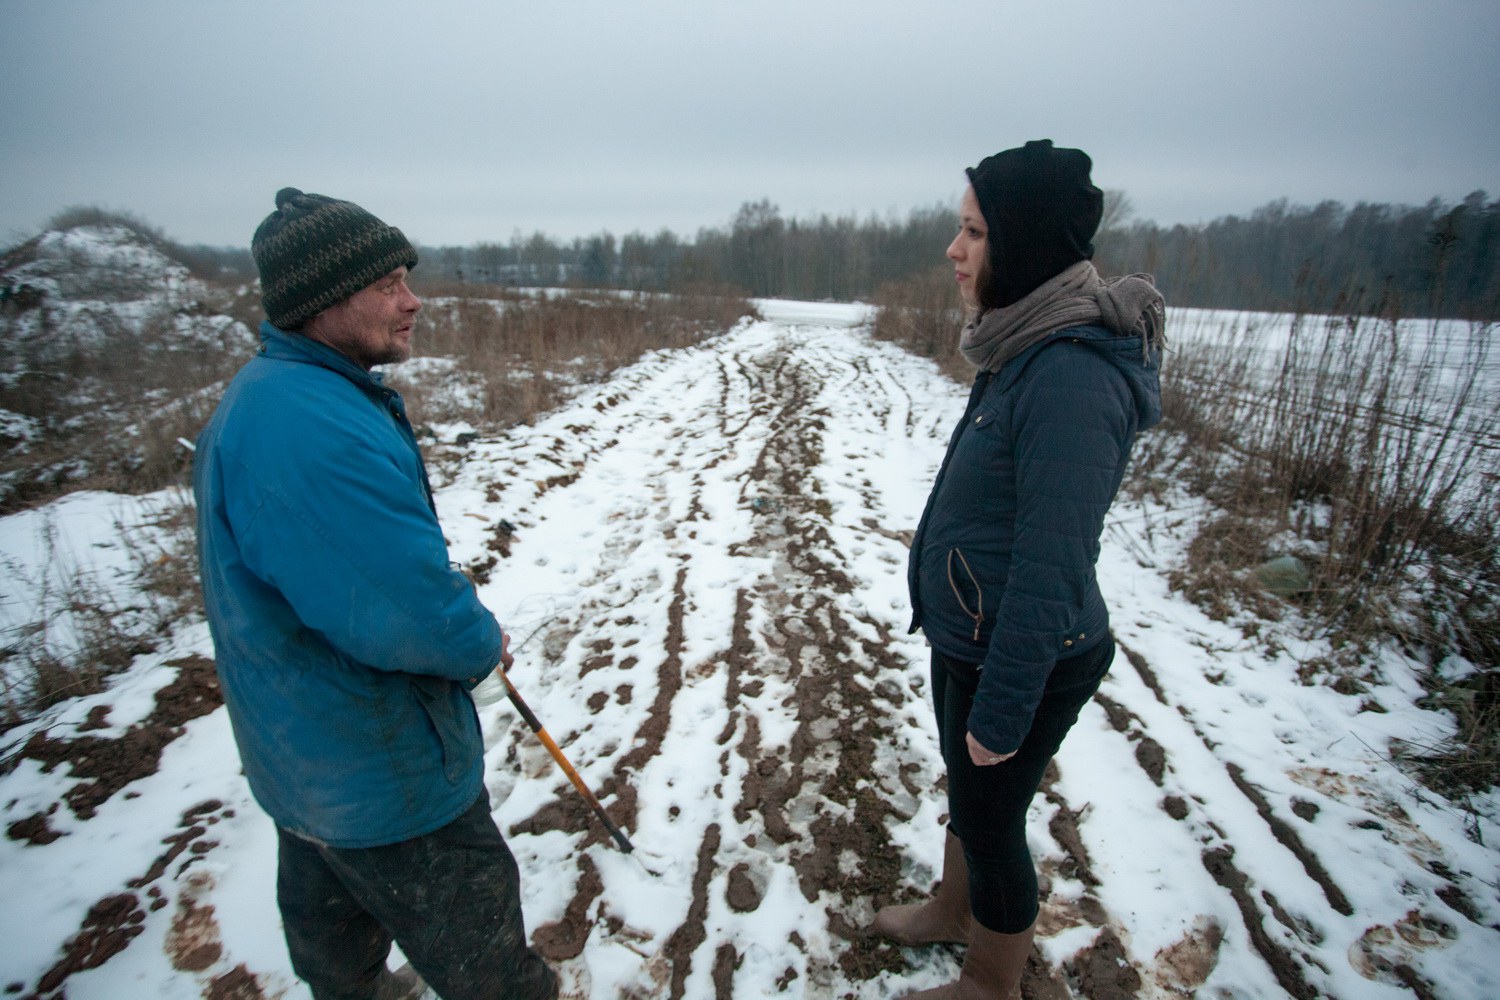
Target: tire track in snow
{"type": "Point", "coordinates": [1233, 822]}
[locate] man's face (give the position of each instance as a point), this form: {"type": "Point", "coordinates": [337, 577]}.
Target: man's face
{"type": "Point", "coordinates": [373, 326]}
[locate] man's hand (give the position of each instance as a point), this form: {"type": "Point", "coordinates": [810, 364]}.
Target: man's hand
{"type": "Point", "coordinates": [982, 757]}
{"type": "Point", "coordinates": [505, 659]}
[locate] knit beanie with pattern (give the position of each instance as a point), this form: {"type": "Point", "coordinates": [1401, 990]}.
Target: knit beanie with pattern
{"type": "Point", "coordinates": [314, 252]}
{"type": "Point", "coordinates": [1041, 210]}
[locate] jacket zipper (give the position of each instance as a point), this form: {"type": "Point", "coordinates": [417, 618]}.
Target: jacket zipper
{"type": "Point", "coordinates": [978, 615]}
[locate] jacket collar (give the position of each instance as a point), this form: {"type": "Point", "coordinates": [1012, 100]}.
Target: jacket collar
{"type": "Point", "coordinates": [282, 345]}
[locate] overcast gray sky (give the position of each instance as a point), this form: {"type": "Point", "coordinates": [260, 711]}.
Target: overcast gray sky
{"type": "Point", "coordinates": [464, 121]}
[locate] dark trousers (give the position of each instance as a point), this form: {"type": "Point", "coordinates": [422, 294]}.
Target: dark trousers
{"type": "Point", "coordinates": [451, 899]}
{"type": "Point", "coordinates": [987, 805]}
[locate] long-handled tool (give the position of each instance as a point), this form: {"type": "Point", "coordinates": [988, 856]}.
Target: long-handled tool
{"type": "Point", "coordinates": [562, 762]}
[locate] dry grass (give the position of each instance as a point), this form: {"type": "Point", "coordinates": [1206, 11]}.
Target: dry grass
{"type": "Point", "coordinates": [523, 353]}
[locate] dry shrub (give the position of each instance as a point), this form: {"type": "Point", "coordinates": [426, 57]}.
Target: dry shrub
{"type": "Point", "coordinates": [114, 413]}
{"type": "Point", "coordinates": [924, 315]}
{"type": "Point", "coordinates": [1372, 443]}
{"type": "Point", "coordinates": [526, 351]}
{"type": "Point", "coordinates": [83, 635]}
{"type": "Point", "coordinates": [1369, 450]}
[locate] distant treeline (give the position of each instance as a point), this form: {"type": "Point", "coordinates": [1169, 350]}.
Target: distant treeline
{"type": "Point", "coordinates": [760, 253]}
{"type": "Point", "coordinates": [1437, 259]}
{"type": "Point", "coordinates": [1427, 260]}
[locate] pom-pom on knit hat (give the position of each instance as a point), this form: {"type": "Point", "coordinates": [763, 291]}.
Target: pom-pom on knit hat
{"type": "Point", "coordinates": [315, 251]}
{"type": "Point", "coordinates": [1041, 209]}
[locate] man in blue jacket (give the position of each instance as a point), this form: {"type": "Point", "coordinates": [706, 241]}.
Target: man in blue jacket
{"type": "Point", "coordinates": [346, 643]}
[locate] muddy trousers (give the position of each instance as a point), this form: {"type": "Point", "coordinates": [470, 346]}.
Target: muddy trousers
{"type": "Point", "coordinates": [987, 805]}
{"type": "Point", "coordinates": [450, 899]}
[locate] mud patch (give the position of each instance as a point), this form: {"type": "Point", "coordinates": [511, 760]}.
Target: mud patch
{"type": "Point", "coordinates": [34, 829]}
{"type": "Point", "coordinates": [110, 925]}
{"type": "Point", "coordinates": [193, 943]}
{"type": "Point", "coordinates": [564, 939]}
{"type": "Point", "coordinates": [1064, 829]}
{"type": "Point", "coordinates": [1103, 970]}
{"type": "Point", "coordinates": [649, 736]}
{"type": "Point", "coordinates": [743, 893]}
{"type": "Point", "coordinates": [192, 827]}
{"type": "Point", "coordinates": [1186, 965]}
{"type": "Point", "coordinates": [679, 948]}
{"type": "Point", "coordinates": [1143, 670]}
{"type": "Point", "coordinates": [1148, 753]}
{"type": "Point", "coordinates": [1387, 953]}
{"type": "Point", "coordinates": [1152, 758]}
{"type": "Point", "coordinates": [726, 960]}
{"type": "Point", "coordinates": [238, 983]}
{"type": "Point", "coordinates": [106, 765]}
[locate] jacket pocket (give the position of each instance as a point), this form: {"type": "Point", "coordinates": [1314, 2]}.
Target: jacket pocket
{"type": "Point", "coordinates": [433, 696]}
{"type": "Point", "coordinates": [966, 589]}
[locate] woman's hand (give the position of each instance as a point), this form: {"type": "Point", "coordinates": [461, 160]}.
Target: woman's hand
{"type": "Point", "coordinates": [982, 757]}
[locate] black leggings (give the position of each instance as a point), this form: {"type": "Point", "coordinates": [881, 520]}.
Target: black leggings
{"type": "Point", "coordinates": [987, 805]}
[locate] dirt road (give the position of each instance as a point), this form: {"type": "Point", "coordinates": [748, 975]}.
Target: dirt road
{"type": "Point", "coordinates": [712, 557]}
{"type": "Point", "coordinates": [702, 565]}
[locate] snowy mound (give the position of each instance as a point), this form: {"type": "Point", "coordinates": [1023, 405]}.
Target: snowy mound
{"type": "Point", "coordinates": [84, 288]}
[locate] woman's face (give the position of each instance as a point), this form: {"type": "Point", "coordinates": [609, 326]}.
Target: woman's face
{"type": "Point", "coordinates": [969, 249]}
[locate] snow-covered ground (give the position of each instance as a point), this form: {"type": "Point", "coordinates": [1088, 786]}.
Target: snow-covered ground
{"type": "Point", "coordinates": [702, 564]}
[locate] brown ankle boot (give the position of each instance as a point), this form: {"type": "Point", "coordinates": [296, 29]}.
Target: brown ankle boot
{"type": "Point", "coordinates": [992, 967]}
{"type": "Point", "coordinates": [403, 984]}
{"type": "Point", "coordinates": [943, 917]}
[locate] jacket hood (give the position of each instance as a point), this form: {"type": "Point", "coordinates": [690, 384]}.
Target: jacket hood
{"type": "Point", "coordinates": [1138, 359]}
{"type": "Point", "coordinates": [1134, 355]}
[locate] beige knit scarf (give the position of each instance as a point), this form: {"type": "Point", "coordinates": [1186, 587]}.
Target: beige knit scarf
{"type": "Point", "coordinates": [1129, 305]}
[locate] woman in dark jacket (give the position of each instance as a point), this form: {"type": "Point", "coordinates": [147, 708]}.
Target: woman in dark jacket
{"type": "Point", "coordinates": [1002, 564]}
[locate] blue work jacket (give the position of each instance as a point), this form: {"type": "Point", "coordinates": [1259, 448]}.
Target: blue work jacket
{"type": "Point", "coordinates": [346, 643]}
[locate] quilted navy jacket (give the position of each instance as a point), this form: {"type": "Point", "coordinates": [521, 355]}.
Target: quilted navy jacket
{"type": "Point", "coordinates": [345, 641]}
{"type": "Point", "coordinates": [1002, 564]}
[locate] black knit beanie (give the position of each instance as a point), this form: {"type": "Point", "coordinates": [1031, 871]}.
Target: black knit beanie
{"type": "Point", "coordinates": [1041, 210]}
{"type": "Point", "coordinates": [315, 251]}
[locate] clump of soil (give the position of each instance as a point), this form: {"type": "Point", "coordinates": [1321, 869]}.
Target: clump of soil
{"type": "Point", "coordinates": [34, 829]}
{"type": "Point", "coordinates": [742, 892]}
{"type": "Point", "coordinates": [1104, 971]}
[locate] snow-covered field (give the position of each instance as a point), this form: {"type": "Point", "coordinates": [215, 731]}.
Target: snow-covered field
{"type": "Point", "coordinates": [702, 564]}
